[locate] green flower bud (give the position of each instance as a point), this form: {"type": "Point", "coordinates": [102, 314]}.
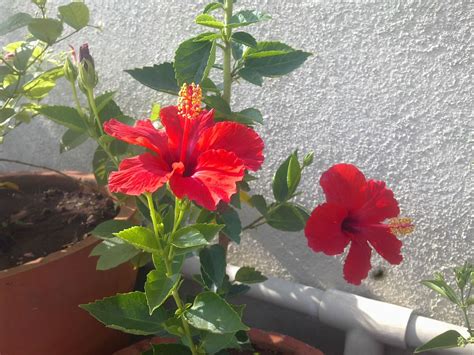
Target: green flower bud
{"type": "Point", "coordinates": [87, 74]}
{"type": "Point", "coordinates": [70, 70]}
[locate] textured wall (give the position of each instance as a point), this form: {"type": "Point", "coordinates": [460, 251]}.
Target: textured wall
{"type": "Point", "coordinates": [389, 89]}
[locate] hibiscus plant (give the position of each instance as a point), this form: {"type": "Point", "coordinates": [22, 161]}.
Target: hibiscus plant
{"type": "Point", "coordinates": [192, 175]}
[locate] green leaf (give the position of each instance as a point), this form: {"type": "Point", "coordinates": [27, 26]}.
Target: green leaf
{"type": "Point", "coordinates": [213, 263]}
{"type": "Point", "coordinates": [213, 314]}
{"type": "Point", "coordinates": [39, 87]}
{"type": "Point", "coordinates": [251, 75]}
{"type": "Point", "coordinates": [176, 265]}
{"type": "Point", "coordinates": [72, 139]}
{"type": "Point", "coordinates": [248, 17]}
{"type": "Point", "coordinates": [75, 14]}
{"type": "Point", "coordinates": [46, 29]}
{"type": "Point", "coordinates": [155, 112]}
{"type": "Point", "coordinates": [273, 59]}
{"type": "Point", "coordinates": [211, 7]}
{"type": "Point", "coordinates": [170, 349]}
{"type": "Point", "coordinates": [209, 21]}
{"type": "Point", "coordinates": [22, 57]}
{"type": "Point", "coordinates": [248, 275]}
{"type": "Point", "coordinates": [287, 217]}
{"type": "Point", "coordinates": [233, 226]}
{"type": "Point", "coordinates": [14, 22]}
{"type": "Point", "coordinates": [244, 38]}
{"type": "Point", "coordinates": [127, 312]}
{"type": "Point", "coordinates": [103, 100]}
{"type": "Point", "coordinates": [6, 113]}
{"type": "Point", "coordinates": [106, 230]}
{"type": "Point", "coordinates": [208, 230]}
{"type": "Point", "coordinates": [218, 103]}
{"type": "Point", "coordinates": [440, 286]}
{"type": "Point", "coordinates": [258, 201]}
{"type": "Point", "coordinates": [102, 166]}
{"type": "Point", "coordinates": [159, 77]}
{"type": "Point", "coordinates": [249, 116]}
{"type": "Point", "coordinates": [141, 238]}
{"type": "Point", "coordinates": [237, 50]}
{"type": "Point", "coordinates": [113, 252]}
{"type": "Point", "coordinates": [445, 340]}
{"type": "Point", "coordinates": [188, 237]}
{"type": "Point", "coordinates": [280, 181]}
{"type": "Point", "coordinates": [65, 116]}
{"type": "Point", "coordinates": [213, 343]}
{"type": "Point", "coordinates": [293, 177]}
{"type": "Point", "coordinates": [158, 287]}
{"type": "Point", "coordinates": [193, 60]}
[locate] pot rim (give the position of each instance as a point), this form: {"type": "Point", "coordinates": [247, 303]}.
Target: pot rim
{"type": "Point", "coordinates": [125, 213]}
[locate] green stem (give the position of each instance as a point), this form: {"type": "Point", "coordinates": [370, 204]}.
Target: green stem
{"type": "Point", "coordinates": [179, 212]}
{"type": "Point", "coordinates": [76, 100]}
{"type": "Point", "coordinates": [227, 64]}
{"type": "Point", "coordinates": [90, 99]}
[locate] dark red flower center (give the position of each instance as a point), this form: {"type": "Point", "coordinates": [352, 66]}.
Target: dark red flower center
{"type": "Point", "coordinates": [349, 225]}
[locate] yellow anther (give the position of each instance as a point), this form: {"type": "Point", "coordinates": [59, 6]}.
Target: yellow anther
{"type": "Point", "coordinates": [401, 226]}
{"type": "Point", "coordinates": [189, 102]}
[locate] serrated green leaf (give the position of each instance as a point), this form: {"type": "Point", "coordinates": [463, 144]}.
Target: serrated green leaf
{"type": "Point", "coordinates": [248, 275]}
{"type": "Point", "coordinates": [103, 100]}
{"type": "Point", "coordinates": [211, 7]}
{"type": "Point", "coordinates": [244, 38]}
{"type": "Point", "coordinates": [72, 139]}
{"type": "Point", "coordinates": [249, 116]}
{"type": "Point", "coordinates": [233, 226]}
{"type": "Point", "coordinates": [102, 166]}
{"type": "Point", "coordinates": [188, 237]}
{"type": "Point", "coordinates": [273, 59]}
{"type": "Point", "coordinates": [158, 287]}
{"type": "Point", "coordinates": [213, 263]}
{"type": "Point", "coordinates": [14, 22]}
{"type": "Point", "coordinates": [193, 60]}
{"type": "Point", "coordinates": [213, 343]}
{"type": "Point", "coordinates": [159, 77]}
{"type": "Point", "coordinates": [141, 238]}
{"type": "Point", "coordinates": [293, 176]}
{"type": "Point", "coordinates": [213, 314]}
{"type": "Point", "coordinates": [237, 50]}
{"type": "Point", "coordinates": [208, 230]}
{"type": "Point", "coordinates": [46, 29]}
{"type": "Point", "coordinates": [128, 313]}
{"type": "Point", "coordinates": [75, 14]}
{"type": "Point", "coordinates": [106, 230]}
{"type": "Point", "coordinates": [39, 87]}
{"type": "Point", "coordinates": [113, 252]}
{"type": "Point", "coordinates": [445, 340]}
{"type": "Point", "coordinates": [209, 21]}
{"type": "Point", "coordinates": [247, 17]}
{"type": "Point", "coordinates": [218, 103]}
{"type": "Point", "coordinates": [65, 116]}
{"type": "Point", "coordinates": [251, 75]}
{"type": "Point", "coordinates": [287, 217]}
{"type": "Point", "coordinates": [280, 181]}
{"type": "Point", "coordinates": [22, 57]}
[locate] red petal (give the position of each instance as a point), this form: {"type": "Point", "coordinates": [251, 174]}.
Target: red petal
{"type": "Point", "coordinates": [357, 263]}
{"type": "Point", "coordinates": [174, 126]}
{"type": "Point", "coordinates": [237, 138]}
{"type": "Point", "coordinates": [344, 184]}
{"type": "Point", "coordinates": [142, 133]}
{"type": "Point", "coordinates": [323, 229]}
{"type": "Point", "coordinates": [379, 205]}
{"type": "Point", "coordinates": [214, 179]}
{"type": "Point", "coordinates": [143, 173]}
{"type": "Point", "coordinates": [384, 242]}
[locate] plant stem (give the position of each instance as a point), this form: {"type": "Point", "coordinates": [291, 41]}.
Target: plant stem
{"type": "Point", "coordinates": [76, 100]}
{"type": "Point", "coordinates": [90, 98]}
{"type": "Point", "coordinates": [227, 64]}
{"type": "Point", "coordinates": [168, 260]}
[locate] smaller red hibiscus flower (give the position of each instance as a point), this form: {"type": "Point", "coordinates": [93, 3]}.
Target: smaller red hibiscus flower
{"type": "Point", "coordinates": [353, 213]}
{"type": "Point", "coordinates": [202, 160]}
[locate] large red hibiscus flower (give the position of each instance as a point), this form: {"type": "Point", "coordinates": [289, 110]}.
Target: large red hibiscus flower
{"type": "Point", "coordinates": [353, 213]}
{"type": "Point", "coordinates": [202, 160]}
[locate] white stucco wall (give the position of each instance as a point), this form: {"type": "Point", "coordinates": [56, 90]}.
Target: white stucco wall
{"type": "Point", "coordinates": [389, 89]}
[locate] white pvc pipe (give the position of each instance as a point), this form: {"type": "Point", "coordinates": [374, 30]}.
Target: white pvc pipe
{"type": "Point", "coordinates": [360, 342]}
{"type": "Point", "coordinates": [362, 318]}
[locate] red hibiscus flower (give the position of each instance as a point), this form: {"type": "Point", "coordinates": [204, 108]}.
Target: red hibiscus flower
{"type": "Point", "coordinates": [202, 160]}
{"type": "Point", "coordinates": [353, 213]}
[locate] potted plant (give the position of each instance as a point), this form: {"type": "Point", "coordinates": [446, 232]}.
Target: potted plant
{"type": "Point", "coordinates": [47, 216]}
{"type": "Point", "coordinates": [194, 176]}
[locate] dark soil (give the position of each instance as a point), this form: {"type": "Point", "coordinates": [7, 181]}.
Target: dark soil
{"type": "Point", "coordinates": [36, 224]}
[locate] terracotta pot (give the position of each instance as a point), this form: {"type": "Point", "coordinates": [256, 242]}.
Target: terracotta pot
{"type": "Point", "coordinates": [264, 340]}
{"type": "Point", "coordinates": [39, 300]}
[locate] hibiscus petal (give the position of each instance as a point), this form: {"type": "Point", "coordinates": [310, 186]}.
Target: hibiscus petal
{"type": "Point", "coordinates": [344, 184]}
{"type": "Point", "coordinates": [214, 179]}
{"type": "Point", "coordinates": [384, 242]}
{"type": "Point", "coordinates": [143, 173]}
{"type": "Point", "coordinates": [142, 133]}
{"type": "Point", "coordinates": [323, 229]}
{"type": "Point", "coordinates": [237, 138]}
{"type": "Point", "coordinates": [357, 263]}
{"type": "Point", "coordinates": [174, 126]}
{"type": "Point", "coordinates": [379, 205]}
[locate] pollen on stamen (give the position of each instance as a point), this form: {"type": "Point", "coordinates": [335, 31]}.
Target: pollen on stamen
{"type": "Point", "coordinates": [401, 226]}
{"type": "Point", "coordinates": [189, 102]}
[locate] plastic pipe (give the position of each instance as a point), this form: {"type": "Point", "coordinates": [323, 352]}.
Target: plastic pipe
{"type": "Point", "coordinates": [377, 321]}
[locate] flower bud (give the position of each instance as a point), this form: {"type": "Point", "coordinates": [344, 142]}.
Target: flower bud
{"type": "Point", "coordinates": [87, 76]}
{"type": "Point", "coordinates": [70, 70]}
